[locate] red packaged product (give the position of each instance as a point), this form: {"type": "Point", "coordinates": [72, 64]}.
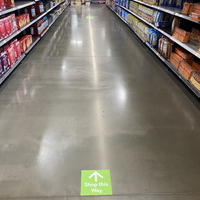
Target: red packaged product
{"type": "Point", "coordinates": [7, 26]}
{"type": "Point", "coordinates": [2, 29]}
{"type": "Point", "coordinates": [27, 18]}
{"type": "Point", "coordinates": [2, 5]}
{"type": "Point", "coordinates": [11, 55]}
{"type": "Point", "coordinates": [22, 45]}
{"type": "Point", "coordinates": [39, 7]}
{"type": "Point", "coordinates": [14, 23]}
{"type": "Point", "coordinates": [31, 11]}
{"type": "Point", "coordinates": [20, 21]}
{"type": "Point", "coordinates": [11, 24]}
{"type": "Point", "coordinates": [17, 50]}
{"type": "Point", "coordinates": [9, 3]}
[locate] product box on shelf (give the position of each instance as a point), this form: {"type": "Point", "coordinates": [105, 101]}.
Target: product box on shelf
{"type": "Point", "coordinates": [11, 55]}
{"type": "Point", "coordinates": [175, 59]}
{"type": "Point", "coordinates": [184, 54]}
{"type": "Point", "coordinates": [185, 69]}
{"type": "Point", "coordinates": [2, 5]}
{"type": "Point", "coordinates": [181, 35]}
{"type": "Point", "coordinates": [9, 3]}
{"type": "Point", "coordinates": [22, 45]}
{"type": "Point", "coordinates": [40, 26]}
{"type": "Point", "coordinates": [195, 80]}
{"type": "Point", "coordinates": [39, 7]}
{"type": "Point", "coordinates": [32, 12]}
{"type": "Point", "coordinates": [1, 68]}
{"type": "Point", "coordinates": [17, 49]}
{"type": "Point", "coordinates": [2, 29]}
{"type": "Point", "coordinates": [196, 65]}
{"type": "Point", "coordinates": [6, 21]}
{"type": "Point", "coordinates": [4, 60]}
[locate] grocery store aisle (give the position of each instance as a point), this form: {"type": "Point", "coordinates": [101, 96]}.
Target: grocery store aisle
{"type": "Point", "coordinates": [92, 96]}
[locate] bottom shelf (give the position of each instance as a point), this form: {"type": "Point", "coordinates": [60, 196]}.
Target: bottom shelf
{"type": "Point", "coordinates": [35, 41]}
{"type": "Point", "coordinates": [165, 61]}
{"type": "Point", "coordinates": [11, 69]}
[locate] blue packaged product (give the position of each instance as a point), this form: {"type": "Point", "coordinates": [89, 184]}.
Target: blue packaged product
{"type": "Point", "coordinates": [127, 3]}
{"type": "Point", "coordinates": [171, 3]}
{"type": "Point", "coordinates": [157, 16]}
{"type": "Point", "coordinates": [153, 39]}
{"type": "Point", "coordinates": [115, 8]}
{"type": "Point", "coordinates": [126, 16]}
{"type": "Point", "coordinates": [179, 4]}
{"type": "Point", "coordinates": [162, 2]}
{"type": "Point", "coordinates": [124, 3]}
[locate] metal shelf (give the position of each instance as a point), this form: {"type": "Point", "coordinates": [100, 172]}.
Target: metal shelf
{"type": "Point", "coordinates": [9, 38]}
{"type": "Point", "coordinates": [192, 49]}
{"type": "Point", "coordinates": [167, 9]}
{"type": "Point", "coordinates": [35, 41]}
{"type": "Point", "coordinates": [165, 61]}
{"type": "Point", "coordinates": [28, 25]}
{"type": "Point", "coordinates": [18, 5]}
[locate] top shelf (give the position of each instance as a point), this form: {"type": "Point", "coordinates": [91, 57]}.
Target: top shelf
{"type": "Point", "coordinates": [167, 9]}
{"type": "Point", "coordinates": [18, 5]}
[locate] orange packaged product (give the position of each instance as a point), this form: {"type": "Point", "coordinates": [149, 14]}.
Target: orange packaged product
{"type": "Point", "coordinates": [197, 8]}
{"type": "Point", "coordinates": [22, 45]}
{"type": "Point", "coordinates": [175, 59]}
{"type": "Point", "coordinates": [195, 80]}
{"type": "Point", "coordinates": [195, 16]}
{"type": "Point", "coordinates": [184, 54]}
{"type": "Point", "coordinates": [185, 69]}
{"type": "Point", "coordinates": [191, 8]}
{"type": "Point", "coordinates": [186, 8]}
{"type": "Point", "coordinates": [20, 21]}
{"type": "Point", "coordinates": [196, 65]}
{"type": "Point", "coordinates": [181, 35]}
{"type": "Point", "coordinates": [27, 16]}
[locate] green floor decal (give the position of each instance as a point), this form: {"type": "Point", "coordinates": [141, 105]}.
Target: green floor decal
{"type": "Point", "coordinates": [95, 182]}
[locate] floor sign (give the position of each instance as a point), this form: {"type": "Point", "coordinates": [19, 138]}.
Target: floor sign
{"type": "Point", "coordinates": [95, 182]}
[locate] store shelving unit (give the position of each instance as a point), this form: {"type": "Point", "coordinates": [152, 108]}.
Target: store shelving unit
{"type": "Point", "coordinates": [196, 92]}
{"type": "Point", "coordinates": [18, 5]}
{"type": "Point", "coordinates": [2, 42]}
{"type": "Point", "coordinates": [193, 50]}
{"type": "Point", "coordinates": [167, 9]}
{"type": "Point", "coordinates": [35, 39]}
{"type": "Point", "coordinates": [7, 73]}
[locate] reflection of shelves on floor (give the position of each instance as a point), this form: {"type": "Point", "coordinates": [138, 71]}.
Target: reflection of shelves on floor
{"type": "Point", "coordinates": [4, 76]}
{"type": "Point", "coordinates": [35, 41]}
{"type": "Point", "coordinates": [192, 49]}
{"type": "Point", "coordinates": [165, 61]}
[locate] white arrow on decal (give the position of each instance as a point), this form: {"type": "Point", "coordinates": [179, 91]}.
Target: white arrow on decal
{"type": "Point", "coordinates": [95, 174]}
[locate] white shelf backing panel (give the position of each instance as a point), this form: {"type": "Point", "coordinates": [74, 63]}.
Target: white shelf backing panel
{"type": "Point", "coordinates": [171, 10]}
{"type": "Point", "coordinates": [189, 85]}
{"type": "Point", "coordinates": [192, 49]}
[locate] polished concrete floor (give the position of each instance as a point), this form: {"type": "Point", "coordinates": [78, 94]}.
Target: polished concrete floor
{"type": "Point", "coordinates": [92, 96]}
